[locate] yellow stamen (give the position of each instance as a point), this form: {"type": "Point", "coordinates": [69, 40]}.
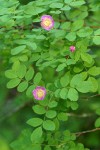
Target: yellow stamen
{"type": "Point", "coordinates": [40, 93]}
{"type": "Point", "coordinates": [47, 22]}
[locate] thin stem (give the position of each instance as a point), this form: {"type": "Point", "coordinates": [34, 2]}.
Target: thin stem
{"type": "Point", "coordinates": [87, 131]}
{"type": "Point", "coordinates": [79, 116]}
{"type": "Point", "coordinates": [92, 96]}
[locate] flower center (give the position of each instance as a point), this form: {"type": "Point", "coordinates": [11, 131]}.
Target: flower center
{"type": "Point", "coordinates": [40, 93]}
{"type": "Point", "coordinates": [47, 22]}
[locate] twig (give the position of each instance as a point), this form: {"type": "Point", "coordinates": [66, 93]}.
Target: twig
{"type": "Point", "coordinates": [79, 116]}
{"type": "Point", "coordinates": [88, 131]}
{"type": "Point", "coordinates": [88, 97]}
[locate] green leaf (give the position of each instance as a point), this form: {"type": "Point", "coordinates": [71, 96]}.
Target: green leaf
{"type": "Point", "coordinates": [77, 79]}
{"type": "Point", "coordinates": [70, 61]}
{"type": "Point", "coordinates": [39, 109]}
{"type": "Point", "coordinates": [41, 37]}
{"type": "Point", "coordinates": [71, 36]}
{"type": "Point", "coordinates": [97, 123]}
{"type": "Point", "coordinates": [21, 144]}
{"type": "Point", "coordinates": [85, 32]}
{"type": "Point", "coordinates": [33, 10]}
{"type": "Point", "coordinates": [52, 104]}
{"type": "Point", "coordinates": [77, 25]}
{"type": "Point", "coordinates": [17, 50]}
{"type": "Point", "coordinates": [47, 147]}
{"type": "Point", "coordinates": [74, 105]}
{"type": "Point", "coordinates": [55, 12]}
{"type": "Point", "coordinates": [32, 45]}
{"type": "Point", "coordinates": [86, 57]}
{"type": "Point", "coordinates": [56, 5]}
{"type": "Point", "coordinates": [61, 67]}
{"type": "Point", "coordinates": [57, 93]}
{"type": "Point", "coordinates": [65, 25]}
{"type": "Point", "coordinates": [64, 81]}
{"type": "Point", "coordinates": [77, 3]}
{"type": "Point", "coordinates": [37, 78]}
{"type": "Point", "coordinates": [64, 93]}
{"type": "Point", "coordinates": [96, 40]}
{"type": "Point", "coordinates": [77, 55]}
{"type": "Point", "coordinates": [34, 122]}
{"type": "Point", "coordinates": [39, 10]}
{"type": "Point", "coordinates": [22, 86]}
{"type": "Point", "coordinates": [36, 135]}
{"type": "Point", "coordinates": [49, 125]}
{"type": "Point", "coordinates": [84, 75]}
{"type": "Point", "coordinates": [80, 146]}
{"type": "Point", "coordinates": [10, 74]}
{"type": "Point", "coordinates": [29, 90]}
{"type": "Point", "coordinates": [84, 86]}
{"type": "Point", "coordinates": [68, 1]}
{"type": "Point", "coordinates": [44, 102]}
{"type": "Point", "coordinates": [16, 66]}
{"type": "Point", "coordinates": [73, 94]}
{"type": "Point", "coordinates": [29, 74]}
{"type": "Point", "coordinates": [67, 135]}
{"type": "Point", "coordinates": [34, 57]}
{"type": "Point", "coordinates": [23, 58]}
{"type": "Point", "coordinates": [78, 68]}
{"type": "Point", "coordinates": [36, 147]}
{"type": "Point", "coordinates": [51, 114]}
{"type": "Point", "coordinates": [94, 84]}
{"type": "Point", "coordinates": [13, 83]}
{"type": "Point", "coordinates": [94, 71]}
{"type": "Point", "coordinates": [62, 116]}
{"type": "Point", "coordinates": [59, 33]}
{"type": "Point", "coordinates": [66, 8]}
{"type": "Point", "coordinates": [98, 111]}
{"type": "Point", "coordinates": [21, 71]}
{"type": "Point", "coordinates": [57, 123]}
{"type": "Point", "coordinates": [97, 32]}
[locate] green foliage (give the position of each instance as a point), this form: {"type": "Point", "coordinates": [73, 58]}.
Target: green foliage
{"type": "Point", "coordinates": [21, 143]}
{"type": "Point", "coordinates": [3, 145]}
{"type": "Point", "coordinates": [39, 109]}
{"type": "Point", "coordinates": [35, 122]}
{"type": "Point", "coordinates": [94, 71]}
{"type": "Point", "coordinates": [13, 83]}
{"type": "Point", "coordinates": [36, 135]}
{"type": "Point", "coordinates": [37, 78]}
{"type": "Point", "coordinates": [33, 57]}
{"type": "Point", "coordinates": [10, 74]}
{"type": "Point", "coordinates": [96, 40]}
{"type": "Point", "coordinates": [62, 116]}
{"type": "Point", "coordinates": [22, 86]}
{"type": "Point", "coordinates": [64, 81]}
{"type": "Point", "coordinates": [52, 104]}
{"type": "Point", "coordinates": [49, 125]}
{"type": "Point", "coordinates": [29, 74]}
{"type": "Point", "coordinates": [51, 114]}
{"type": "Point", "coordinates": [73, 94]}
{"type": "Point", "coordinates": [97, 122]}
{"type": "Point", "coordinates": [63, 93]}
{"type": "Point", "coordinates": [17, 50]}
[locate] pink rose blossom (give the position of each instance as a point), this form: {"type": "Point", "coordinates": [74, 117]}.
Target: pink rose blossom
{"type": "Point", "coordinates": [47, 22]}
{"type": "Point", "coordinates": [39, 93]}
{"type": "Point", "coordinates": [72, 48]}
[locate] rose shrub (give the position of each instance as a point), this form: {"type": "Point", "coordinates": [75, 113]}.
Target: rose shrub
{"type": "Point", "coordinates": [50, 53]}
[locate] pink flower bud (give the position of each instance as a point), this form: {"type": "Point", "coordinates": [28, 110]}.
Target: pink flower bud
{"type": "Point", "coordinates": [39, 93]}
{"type": "Point", "coordinates": [72, 48]}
